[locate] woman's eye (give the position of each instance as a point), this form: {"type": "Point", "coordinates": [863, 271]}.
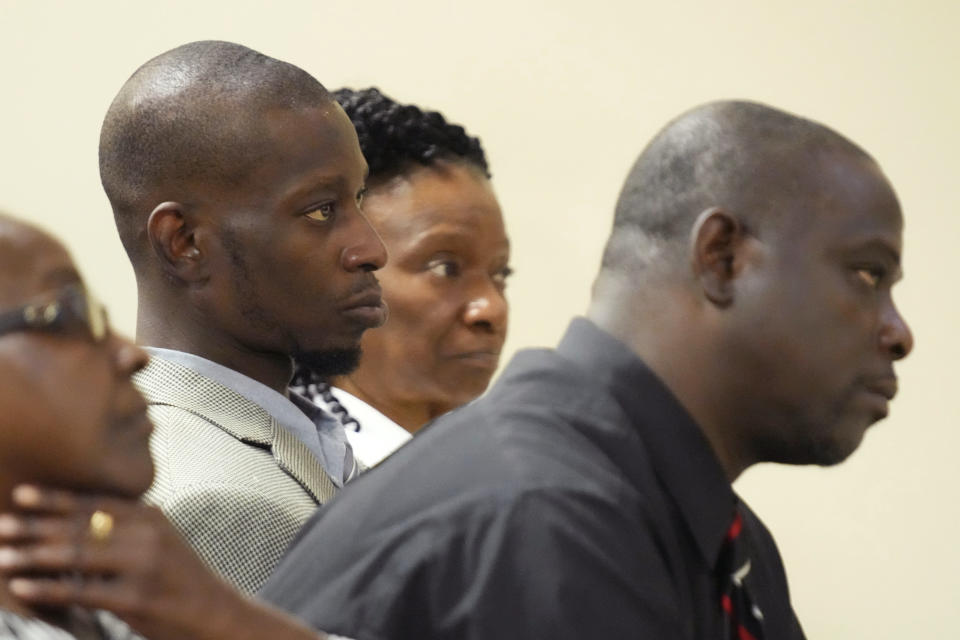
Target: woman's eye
{"type": "Point", "coordinates": [871, 276]}
{"type": "Point", "coordinates": [321, 213]}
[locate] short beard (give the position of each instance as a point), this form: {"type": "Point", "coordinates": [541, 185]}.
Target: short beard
{"type": "Point", "coordinates": [811, 442]}
{"type": "Point", "coordinates": [313, 367]}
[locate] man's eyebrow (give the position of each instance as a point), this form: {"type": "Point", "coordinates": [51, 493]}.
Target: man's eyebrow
{"type": "Point", "coordinates": [889, 252]}
{"type": "Point", "coordinates": [314, 183]}
{"type": "Point", "coordinates": [61, 276]}
{"type": "Point", "coordinates": [883, 247]}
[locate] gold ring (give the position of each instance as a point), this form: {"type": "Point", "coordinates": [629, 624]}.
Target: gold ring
{"type": "Point", "coordinates": [101, 525]}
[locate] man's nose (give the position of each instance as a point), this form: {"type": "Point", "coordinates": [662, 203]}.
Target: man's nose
{"type": "Point", "coordinates": [366, 252]}
{"type": "Point", "coordinates": [895, 335]}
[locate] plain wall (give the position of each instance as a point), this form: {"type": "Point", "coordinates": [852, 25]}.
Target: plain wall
{"type": "Point", "coordinates": [564, 95]}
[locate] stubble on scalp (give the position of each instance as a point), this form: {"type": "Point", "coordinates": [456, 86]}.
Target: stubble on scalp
{"type": "Point", "coordinates": [191, 116]}
{"type": "Point", "coordinates": [739, 156]}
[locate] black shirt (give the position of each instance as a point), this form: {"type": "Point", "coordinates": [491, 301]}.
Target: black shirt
{"type": "Point", "coordinates": [577, 499]}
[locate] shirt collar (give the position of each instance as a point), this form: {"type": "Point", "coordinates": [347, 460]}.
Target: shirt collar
{"type": "Point", "coordinates": [375, 436]}
{"type": "Point", "coordinates": [679, 452]}
{"type": "Point", "coordinates": [320, 432]}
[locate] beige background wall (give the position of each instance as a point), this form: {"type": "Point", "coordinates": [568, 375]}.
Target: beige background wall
{"type": "Point", "coordinates": [564, 95]}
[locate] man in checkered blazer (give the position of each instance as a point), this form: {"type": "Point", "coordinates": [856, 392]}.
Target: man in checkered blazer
{"type": "Point", "coordinates": [235, 181]}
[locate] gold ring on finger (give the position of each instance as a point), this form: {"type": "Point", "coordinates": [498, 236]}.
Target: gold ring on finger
{"type": "Point", "coordinates": [101, 525]}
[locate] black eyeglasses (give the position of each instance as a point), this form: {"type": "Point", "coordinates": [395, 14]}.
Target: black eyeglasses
{"type": "Point", "coordinates": [73, 308]}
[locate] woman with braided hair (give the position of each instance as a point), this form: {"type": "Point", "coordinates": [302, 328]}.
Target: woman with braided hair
{"type": "Point", "coordinates": [429, 197]}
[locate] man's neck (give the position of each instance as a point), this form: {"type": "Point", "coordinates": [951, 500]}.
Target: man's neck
{"type": "Point", "coordinates": [271, 369]}
{"type": "Point", "coordinates": [682, 362]}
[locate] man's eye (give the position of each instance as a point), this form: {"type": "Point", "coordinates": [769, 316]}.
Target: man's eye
{"type": "Point", "coordinates": [321, 213]}
{"type": "Point", "coordinates": [360, 195]}
{"type": "Point", "coordinates": [445, 269]}
{"type": "Point", "coordinates": [500, 277]}
{"type": "Point", "coordinates": [871, 276]}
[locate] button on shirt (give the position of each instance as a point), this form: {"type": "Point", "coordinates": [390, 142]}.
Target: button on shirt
{"type": "Point", "coordinates": [577, 499]}
{"type": "Point", "coordinates": [322, 434]}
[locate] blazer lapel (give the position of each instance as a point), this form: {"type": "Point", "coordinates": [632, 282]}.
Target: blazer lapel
{"type": "Point", "coordinates": [169, 383]}
{"type": "Point", "coordinates": [296, 459]}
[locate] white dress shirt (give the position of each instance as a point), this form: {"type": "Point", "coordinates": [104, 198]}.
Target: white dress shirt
{"type": "Point", "coordinates": [376, 436]}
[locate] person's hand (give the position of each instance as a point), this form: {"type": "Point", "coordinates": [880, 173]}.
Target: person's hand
{"type": "Point", "coordinates": [63, 548]}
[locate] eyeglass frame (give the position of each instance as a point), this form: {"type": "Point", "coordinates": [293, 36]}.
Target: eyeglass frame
{"type": "Point", "coordinates": [73, 302]}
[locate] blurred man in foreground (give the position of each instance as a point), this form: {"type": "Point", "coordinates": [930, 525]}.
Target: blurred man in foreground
{"type": "Point", "coordinates": [72, 420]}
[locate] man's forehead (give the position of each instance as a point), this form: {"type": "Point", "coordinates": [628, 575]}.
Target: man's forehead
{"type": "Point", "coordinates": [849, 198]}
{"type": "Point", "coordinates": [31, 263]}
{"type": "Point", "coordinates": [327, 119]}
{"type": "Point", "coordinates": [306, 149]}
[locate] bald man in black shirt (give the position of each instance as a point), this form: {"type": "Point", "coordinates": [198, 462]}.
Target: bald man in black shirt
{"type": "Point", "coordinates": [743, 313]}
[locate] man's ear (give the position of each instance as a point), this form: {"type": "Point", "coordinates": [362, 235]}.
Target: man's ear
{"type": "Point", "coordinates": [717, 246]}
{"type": "Point", "coordinates": [175, 242]}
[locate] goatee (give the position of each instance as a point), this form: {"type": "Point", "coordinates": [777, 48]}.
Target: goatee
{"type": "Point", "coordinates": [313, 367]}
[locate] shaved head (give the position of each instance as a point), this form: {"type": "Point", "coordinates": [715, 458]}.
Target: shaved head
{"type": "Point", "coordinates": [189, 116]}
{"type": "Point", "coordinates": [744, 157]}
{"type": "Point", "coordinates": [751, 265]}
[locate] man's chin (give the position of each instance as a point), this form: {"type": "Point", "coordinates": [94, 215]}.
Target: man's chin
{"type": "Point", "coordinates": [808, 447]}
{"type": "Point", "coordinates": [329, 362]}
{"type": "Point", "coordinates": [831, 451]}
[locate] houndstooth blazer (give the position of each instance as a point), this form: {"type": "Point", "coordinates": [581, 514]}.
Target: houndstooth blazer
{"type": "Point", "coordinates": [235, 483]}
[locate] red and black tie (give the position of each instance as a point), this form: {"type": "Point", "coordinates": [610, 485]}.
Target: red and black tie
{"type": "Point", "coordinates": [742, 618]}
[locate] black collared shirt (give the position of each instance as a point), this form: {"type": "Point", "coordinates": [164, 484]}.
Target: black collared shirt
{"type": "Point", "coordinates": [577, 499]}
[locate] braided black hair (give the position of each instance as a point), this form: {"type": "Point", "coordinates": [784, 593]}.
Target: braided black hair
{"type": "Point", "coordinates": [394, 136]}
